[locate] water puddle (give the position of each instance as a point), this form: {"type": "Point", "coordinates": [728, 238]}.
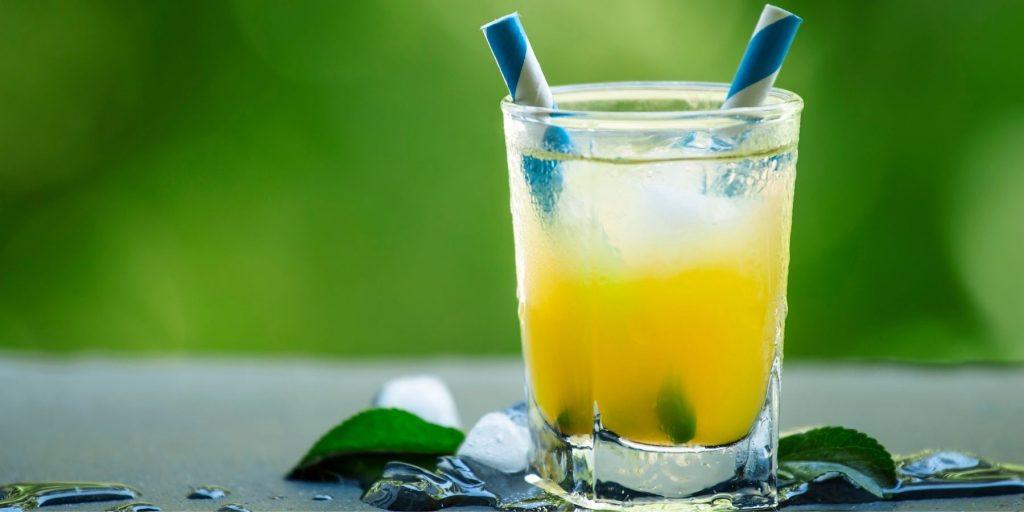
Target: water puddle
{"type": "Point", "coordinates": [137, 506]}
{"type": "Point", "coordinates": [933, 474]}
{"type": "Point", "coordinates": [455, 483]}
{"type": "Point", "coordinates": [233, 507]}
{"type": "Point", "coordinates": [466, 480]}
{"type": "Point", "coordinates": [26, 496]}
{"type": "Point", "coordinates": [458, 482]}
{"type": "Point", "coordinates": [207, 492]}
{"type": "Point", "coordinates": [926, 475]}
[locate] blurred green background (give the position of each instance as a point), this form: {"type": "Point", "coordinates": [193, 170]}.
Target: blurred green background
{"type": "Point", "coordinates": [329, 177]}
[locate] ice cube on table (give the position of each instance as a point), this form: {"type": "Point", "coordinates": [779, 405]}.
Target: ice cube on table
{"type": "Point", "coordinates": [423, 395]}
{"type": "Point", "coordinates": [499, 440]}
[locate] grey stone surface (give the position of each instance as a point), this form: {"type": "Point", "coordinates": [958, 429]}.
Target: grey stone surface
{"type": "Point", "coordinates": [163, 425]}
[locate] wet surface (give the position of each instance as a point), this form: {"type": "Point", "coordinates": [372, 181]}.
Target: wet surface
{"type": "Point", "coordinates": [138, 506]}
{"type": "Point", "coordinates": [479, 476]}
{"type": "Point", "coordinates": [233, 507]}
{"type": "Point", "coordinates": [407, 487]}
{"type": "Point", "coordinates": [456, 483]}
{"type": "Point", "coordinates": [240, 423]}
{"type": "Point", "coordinates": [941, 474]}
{"type": "Point", "coordinates": [930, 475]}
{"type": "Point", "coordinates": [26, 496]}
{"type": "Point", "coordinates": [924, 476]}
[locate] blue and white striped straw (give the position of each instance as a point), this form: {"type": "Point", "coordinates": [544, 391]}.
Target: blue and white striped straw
{"type": "Point", "coordinates": [518, 64]}
{"type": "Point", "coordinates": [763, 59]}
{"type": "Point", "coordinates": [527, 85]}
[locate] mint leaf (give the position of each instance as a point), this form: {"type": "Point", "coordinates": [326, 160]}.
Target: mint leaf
{"type": "Point", "coordinates": [675, 414]}
{"type": "Point", "coordinates": [361, 445]}
{"type": "Point", "coordinates": [837, 445]}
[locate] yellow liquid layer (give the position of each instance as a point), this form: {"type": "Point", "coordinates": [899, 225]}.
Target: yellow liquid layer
{"type": "Point", "coordinates": [653, 304]}
{"type": "Point", "coordinates": [681, 358]}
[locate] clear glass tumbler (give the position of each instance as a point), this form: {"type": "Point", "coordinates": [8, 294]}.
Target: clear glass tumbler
{"type": "Point", "coordinates": [652, 246]}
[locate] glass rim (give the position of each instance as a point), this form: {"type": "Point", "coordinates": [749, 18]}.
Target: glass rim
{"type": "Point", "coordinates": [786, 103]}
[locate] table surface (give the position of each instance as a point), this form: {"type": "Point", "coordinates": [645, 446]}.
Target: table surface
{"type": "Point", "coordinates": [163, 425]}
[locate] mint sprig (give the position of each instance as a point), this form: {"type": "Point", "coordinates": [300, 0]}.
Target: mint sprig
{"type": "Point", "coordinates": [360, 446]}
{"type": "Point", "coordinates": [675, 414]}
{"type": "Point", "coordinates": [824, 449]}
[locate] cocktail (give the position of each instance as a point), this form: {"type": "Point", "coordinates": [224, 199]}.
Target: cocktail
{"type": "Point", "coordinates": [651, 264]}
{"type": "Point", "coordinates": [652, 246]}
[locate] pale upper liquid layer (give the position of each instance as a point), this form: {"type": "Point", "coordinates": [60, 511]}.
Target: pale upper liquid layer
{"type": "Point", "coordinates": [671, 343]}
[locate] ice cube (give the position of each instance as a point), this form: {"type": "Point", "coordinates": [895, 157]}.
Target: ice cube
{"type": "Point", "coordinates": [653, 215]}
{"type": "Point", "coordinates": [666, 209]}
{"type": "Point", "coordinates": [499, 440]}
{"type": "Point", "coordinates": [423, 395]}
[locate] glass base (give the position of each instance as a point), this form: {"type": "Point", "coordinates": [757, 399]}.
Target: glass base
{"type": "Point", "coordinates": [603, 471]}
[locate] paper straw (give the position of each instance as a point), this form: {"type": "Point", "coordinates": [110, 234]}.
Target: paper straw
{"type": "Point", "coordinates": [763, 59]}
{"type": "Point", "coordinates": [518, 64]}
{"type": "Point", "coordinates": [527, 85]}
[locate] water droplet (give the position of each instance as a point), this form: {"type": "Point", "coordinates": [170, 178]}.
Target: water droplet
{"type": "Point", "coordinates": [208, 492]}
{"type": "Point", "coordinates": [322, 497]}
{"type": "Point", "coordinates": [233, 507]}
{"type": "Point", "coordinates": [24, 496]}
{"type": "Point", "coordinates": [137, 506]}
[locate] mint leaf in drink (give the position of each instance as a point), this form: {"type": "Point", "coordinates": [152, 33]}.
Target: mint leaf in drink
{"type": "Point", "coordinates": [565, 422]}
{"type": "Point", "coordinates": [823, 449]}
{"type": "Point", "coordinates": [573, 421]}
{"type": "Point", "coordinates": [360, 446]}
{"type": "Point", "coordinates": [675, 414]}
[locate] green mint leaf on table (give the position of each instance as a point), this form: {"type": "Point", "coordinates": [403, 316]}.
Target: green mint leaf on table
{"type": "Point", "coordinates": [360, 446]}
{"type": "Point", "coordinates": [675, 414]}
{"type": "Point", "coordinates": [824, 449]}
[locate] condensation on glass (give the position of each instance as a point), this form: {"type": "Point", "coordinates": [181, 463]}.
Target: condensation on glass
{"type": "Point", "coordinates": [652, 246]}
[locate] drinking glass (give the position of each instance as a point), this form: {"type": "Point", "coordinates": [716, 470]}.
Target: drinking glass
{"type": "Point", "coordinates": [652, 246]}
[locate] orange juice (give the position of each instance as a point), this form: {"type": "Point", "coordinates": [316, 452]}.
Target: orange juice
{"type": "Point", "coordinates": [666, 332]}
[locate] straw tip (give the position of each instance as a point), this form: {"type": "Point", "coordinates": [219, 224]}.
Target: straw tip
{"type": "Point", "coordinates": [777, 13]}
{"type": "Point", "coordinates": [504, 19]}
